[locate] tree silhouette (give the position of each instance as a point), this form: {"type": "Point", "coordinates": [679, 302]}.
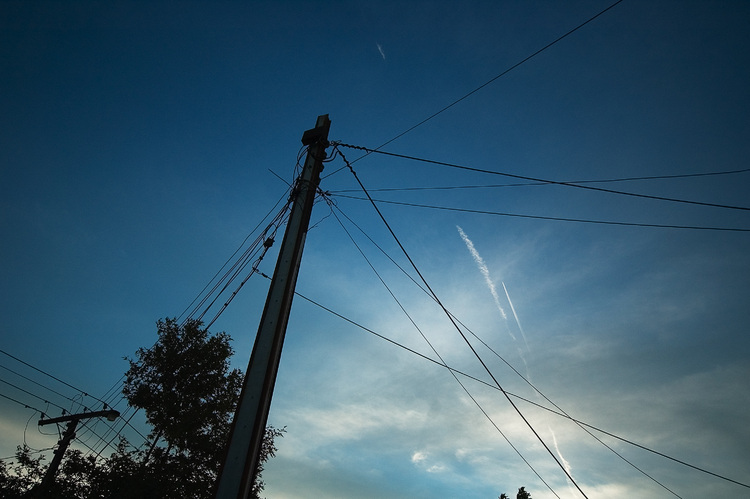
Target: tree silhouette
{"type": "Point", "coordinates": [188, 393]}
{"type": "Point", "coordinates": [522, 494]}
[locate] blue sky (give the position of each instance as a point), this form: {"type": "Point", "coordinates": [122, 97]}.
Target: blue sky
{"type": "Point", "coordinates": [141, 142]}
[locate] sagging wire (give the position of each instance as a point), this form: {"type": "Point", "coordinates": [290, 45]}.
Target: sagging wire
{"type": "Point", "coordinates": [460, 332]}
{"type": "Point", "coordinates": [332, 205]}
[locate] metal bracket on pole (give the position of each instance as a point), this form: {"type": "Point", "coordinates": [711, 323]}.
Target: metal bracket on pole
{"type": "Point", "coordinates": [249, 424]}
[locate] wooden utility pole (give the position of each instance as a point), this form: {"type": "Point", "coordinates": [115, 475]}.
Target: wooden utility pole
{"type": "Point", "coordinates": [70, 433]}
{"type": "Point", "coordinates": [249, 424]}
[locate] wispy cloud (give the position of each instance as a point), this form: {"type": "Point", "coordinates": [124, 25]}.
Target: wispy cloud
{"type": "Point", "coordinates": [418, 457]}
{"type": "Point", "coordinates": [484, 270]}
{"type": "Point", "coordinates": [564, 461]}
{"type": "Point", "coordinates": [515, 316]}
{"type": "Point", "coordinates": [380, 49]}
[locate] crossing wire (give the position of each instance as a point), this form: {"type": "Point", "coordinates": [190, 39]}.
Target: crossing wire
{"type": "Point", "coordinates": [443, 363]}
{"type": "Point", "coordinates": [518, 397]}
{"type": "Point", "coordinates": [544, 181]}
{"type": "Point", "coordinates": [23, 404]}
{"type": "Point", "coordinates": [434, 350]}
{"type": "Point", "coordinates": [483, 85]}
{"type": "Point", "coordinates": [523, 184]}
{"type": "Point", "coordinates": [561, 412]}
{"type": "Point", "coordinates": [51, 376]}
{"type": "Point", "coordinates": [43, 386]}
{"type": "Point", "coordinates": [468, 343]}
{"type": "Point", "coordinates": [557, 219]}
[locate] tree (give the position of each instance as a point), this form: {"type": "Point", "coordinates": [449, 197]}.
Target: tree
{"type": "Point", "coordinates": [184, 385]}
{"type": "Point", "coordinates": [188, 392]}
{"type": "Point", "coordinates": [522, 494]}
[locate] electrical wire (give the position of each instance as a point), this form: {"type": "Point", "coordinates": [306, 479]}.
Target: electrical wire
{"type": "Point", "coordinates": [442, 361]}
{"type": "Point", "coordinates": [545, 181]}
{"type": "Point", "coordinates": [561, 412]}
{"type": "Point", "coordinates": [518, 397]}
{"type": "Point", "coordinates": [51, 376]}
{"type": "Point", "coordinates": [23, 404]}
{"type": "Point", "coordinates": [434, 350]}
{"type": "Point", "coordinates": [43, 386]}
{"type": "Point", "coordinates": [458, 329]}
{"type": "Point", "coordinates": [524, 184]}
{"type": "Point", "coordinates": [252, 246]}
{"type": "Point", "coordinates": [558, 219]}
{"type": "Point", "coordinates": [33, 395]}
{"type": "Point", "coordinates": [480, 87]}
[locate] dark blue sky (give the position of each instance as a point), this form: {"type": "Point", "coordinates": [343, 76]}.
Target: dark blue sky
{"type": "Point", "coordinates": [140, 144]}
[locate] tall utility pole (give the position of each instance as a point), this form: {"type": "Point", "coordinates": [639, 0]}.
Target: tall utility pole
{"type": "Point", "coordinates": [249, 424]}
{"type": "Point", "coordinates": [70, 433]}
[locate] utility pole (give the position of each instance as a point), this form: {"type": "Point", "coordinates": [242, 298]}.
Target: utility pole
{"type": "Point", "coordinates": [249, 424]}
{"type": "Point", "coordinates": [70, 433]}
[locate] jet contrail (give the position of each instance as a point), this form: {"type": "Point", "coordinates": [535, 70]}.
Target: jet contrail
{"type": "Point", "coordinates": [484, 270]}
{"type": "Point", "coordinates": [513, 309]}
{"type": "Point", "coordinates": [486, 273]}
{"type": "Point", "coordinates": [564, 461]}
{"type": "Point", "coordinates": [380, 49]}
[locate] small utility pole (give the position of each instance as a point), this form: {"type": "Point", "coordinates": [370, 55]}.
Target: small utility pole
{"type": "Point", "coordinates": [249, 424]}
{"type": "Point", "coordinates": [70, 433]}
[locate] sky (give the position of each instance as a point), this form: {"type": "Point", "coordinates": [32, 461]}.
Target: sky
{"type": "Point", "coordinates": [141, 143]}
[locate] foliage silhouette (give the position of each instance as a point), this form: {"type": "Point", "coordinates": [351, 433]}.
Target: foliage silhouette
{"type": "Point", "coordinates": [188, 393]}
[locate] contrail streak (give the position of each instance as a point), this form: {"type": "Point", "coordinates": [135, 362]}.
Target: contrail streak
{"type": "Point", "coordinates": [380, 49]}
{"type": "Point", "coordinates": [484, 270]}
{"type": "Point", "coordinates": [564, 461]}
{"type": "Point", "coordinates": [515, 316]}
{"type": "Point", "coordinates": [486, 273]}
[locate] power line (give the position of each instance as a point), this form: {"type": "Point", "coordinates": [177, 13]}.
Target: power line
{"type": "Point", "coordinates": [285, 195]}
{"type": "Point", "coordinates": [558, 219]}
{"type": "Point", "coordinates": [434, 350]}
{"type": "Point", "coordinates": [518, 397]}
{"type": "Point", "coordinates": [43, 386]}
{"type": "Point", "coordinates": [32, 394]}
{"type": "Point", "coordinates": [468, 343]}
{"type": "Point", "coordinates": [523, 184]}
{"type": "Point", "coordinates": [545, 181]}
{"type": "Point", "coordinates": [51, 376]}
{"type": "Point", "coordinates": [443, 363]}
{"type": "Point", "coordinates": [23, 404]}
{"type": "Point", "coordinates": [490, 81]}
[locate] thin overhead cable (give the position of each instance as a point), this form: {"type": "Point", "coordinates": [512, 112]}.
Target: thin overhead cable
{"type": "Point", "coordinates": [458, 329]}
{"type": "Point", "coordinates": [523, 184]}
{"type": "Point", "coordinates": [284, 196]}
{"type": "Point", "coordinates": [518, 397]}
{"type": "Point", "coordinates": [434, 350]}
{"type": "Point", "coordinates": [117, 434]}
{"type": "Point", "coordinates": [490, 81]}
{"type": "Point", "coordinates": [443, 363]}
{"type": "Point", "coordinates": [33, 395]}
{"type": "Point", "coordinates": [43, 386]}
{"type": "Point", "coordinates": [23, 404]}
{"type": "Point", "coordinates": [558, 219]}
{"type": "Point", "coordinates": [43, 400]}
{"type": "Point", "coordinates": [234, 270]}
{"type": "Point", "coordinates": [545, 181]}
{"type": "Point", "coordinates": [51, 376]}
{"type": "Point", "coordinates": [253, 270]}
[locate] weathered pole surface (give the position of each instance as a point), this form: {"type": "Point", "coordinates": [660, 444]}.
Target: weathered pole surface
{"type": "Point", "coordinates": [249, 424]}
